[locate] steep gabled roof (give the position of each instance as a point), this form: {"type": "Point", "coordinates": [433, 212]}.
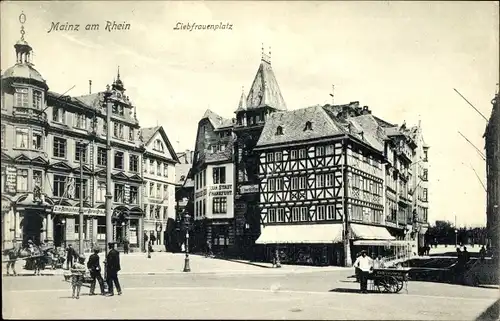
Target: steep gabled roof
{"type": "Point", "coordinates": [217, 121]}
{"type": "Point", "coordinates": [372, 132]}
{"type": "Point", "coordinates": [91, 100]}
{"type": "Point", "coordinates": [293, 126]}
{"type": "Point", "coordinates": [265, 90]}
{"type": "Point", "coordinates": [148, 134]}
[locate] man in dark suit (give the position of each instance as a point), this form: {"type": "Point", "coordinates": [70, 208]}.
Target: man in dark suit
{"type": "Point", "coordinates": [95, 272]}
{"type": "Point", "coordinates": [70, 254]}
{"type": "Point", "coordinates": [112, 269]}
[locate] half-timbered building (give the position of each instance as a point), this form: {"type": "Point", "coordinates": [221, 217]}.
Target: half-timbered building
{"type": "Point", "coordinates": [321, 181]}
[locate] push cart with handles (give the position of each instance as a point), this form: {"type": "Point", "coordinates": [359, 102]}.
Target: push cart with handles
{"type": "Point", "coordinates": [390, 280]}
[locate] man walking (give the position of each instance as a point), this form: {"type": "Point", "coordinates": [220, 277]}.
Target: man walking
{"type": "Point", "coordinates": [364, 264]}
{"type": "Point", "coordinates": [112, 269]}
{"type": "Point", "coordinates": [70, 254]}
{"type": "Point", "coordinates": [95, 272]}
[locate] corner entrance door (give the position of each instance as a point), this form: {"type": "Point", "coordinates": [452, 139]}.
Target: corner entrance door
{"type": "Point", "coordinates": [32, 224]}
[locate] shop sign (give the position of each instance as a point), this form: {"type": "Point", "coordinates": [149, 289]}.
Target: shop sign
{"type": "Point", "coordinates": [11, 181]}
{"type": "Point", "coordinates": [249, 189]}
{"type": "Point", "coordinates": [61, 209]}
{"type": "Point", "coordinates": [221, 190]}
{"type": "Point", "coordinates": [200, 193]}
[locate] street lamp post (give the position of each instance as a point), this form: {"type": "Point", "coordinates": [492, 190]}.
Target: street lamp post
{"type": "Point", "coordinates": [186, 260]}
{"type": "Point", "coordinates": [109, 196]}
{"type": "Point", "coordinates": [63, 223]}
{"type": "Point", "coordinates": [80, 212]}
{"type": "Point", "coordinates": [456, 237]}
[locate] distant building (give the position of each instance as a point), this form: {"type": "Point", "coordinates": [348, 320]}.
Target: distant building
{"type": "Point", "coordinates": [159, 162]}
{"type": "Point", "coordinates": [492, 146]}
{"type": "Point", "coordinates": [184, 194]}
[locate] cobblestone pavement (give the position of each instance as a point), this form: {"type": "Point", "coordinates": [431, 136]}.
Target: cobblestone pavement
{"type": "Point", "coordinates": [315, 295]}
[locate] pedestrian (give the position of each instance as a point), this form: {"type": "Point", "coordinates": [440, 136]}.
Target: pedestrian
{"type": "Point", "coordinates": [276, 260]}
{"type": "Point", "coordinates": [183, 248]}
{"type": "Point", "coordinates": [356, 269]}
{"type": "Point", "coordinates": [112, 269]}
{"type": "Point", "coordinates": [145, 242]}
{"type": "Point", "coordinates": [209, 249]}
{"type": "Point", "coordinates": [377, 263]}
{"type": "Point", "coordinates": [95, 272]}
{"type": "Point", "coordinates": [13, 254]}
{"type": "Point", "coordinates": [482, 253]}
{"type": "Point", "coordinates": [77, 274]}
{"type": "Point", "coordinates": [365, 265]}
{"type": "Point", "coordinates": [125, 246]}
{"type": "Point", "coordinates": [70, 254]}
{"type": "Point", "coordinates": [150, 249]}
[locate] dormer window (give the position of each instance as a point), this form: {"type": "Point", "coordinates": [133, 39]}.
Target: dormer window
{"type": "Point", "coordinates": [159, 146]}
{"type": "Point", "coordinates": [279, 130]}
{"type": "Point", "coordinates": [308, 126]}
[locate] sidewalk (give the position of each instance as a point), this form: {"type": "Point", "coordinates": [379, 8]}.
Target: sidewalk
{"type": "Point", "coordinates": [173, 263]}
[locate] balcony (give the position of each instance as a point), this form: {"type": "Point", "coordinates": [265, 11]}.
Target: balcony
{"type": "Point", "coordinates": [29, 112]}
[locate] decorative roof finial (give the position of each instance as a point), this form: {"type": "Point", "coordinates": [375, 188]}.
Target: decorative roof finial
{"type": "Point", "coordinates": [269, 54]}
{"type": "Point", "coordinates": [22, 20]}
{"type": "Point", "coordinates": [262, 52]}
{"type": "Point", "coordinates": [243, 89]}
{"type": "Point", "coordinates": [118, 77]}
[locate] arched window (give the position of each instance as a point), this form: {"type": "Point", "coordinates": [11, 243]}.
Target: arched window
{"type": "Point", "coordinates": [279, 130]}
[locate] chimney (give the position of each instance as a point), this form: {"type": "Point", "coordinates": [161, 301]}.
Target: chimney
{"type": "Point", "coordinates": [90, 87]}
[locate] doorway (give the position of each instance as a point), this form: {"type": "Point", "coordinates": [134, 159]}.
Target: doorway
{"type": "Point", "coordinates": [31, 225]}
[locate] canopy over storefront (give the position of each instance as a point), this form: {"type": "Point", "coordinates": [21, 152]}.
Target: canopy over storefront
{"type": "Point", "coordinates": [370, 232]}
{"type": "Point", "coordinates": [301, 234]}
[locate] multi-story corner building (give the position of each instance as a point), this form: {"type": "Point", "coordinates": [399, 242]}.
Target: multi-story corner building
{"type": "Point", "coordinates": [213, 173]}
{"type": "Point", "coordinates": [253, 111]}
{"type": "Point", "coordinates": [321, 178]}
{"type": "Point", "coordinates": [492, 146]}
{"type": "Point", "coordinates": [335, 180]}
{"type": "Point", "coordinates": [47, 141]}
{"type": "Point", "coordinates": [159, 161]}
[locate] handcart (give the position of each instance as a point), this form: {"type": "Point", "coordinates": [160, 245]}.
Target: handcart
{"type": "Point", "coordinates": [87, 279]}
{"type": "Point", "coordinates": [390, 280]}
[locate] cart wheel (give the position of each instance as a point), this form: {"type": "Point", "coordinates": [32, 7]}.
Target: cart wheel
{"type": "Point", "coordinates": [399, 285]}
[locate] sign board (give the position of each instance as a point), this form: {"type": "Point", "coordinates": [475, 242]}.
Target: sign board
{"type": "Point", "coordinates": [11, 181]}
{"type": "Point", "coordinates": [221, 190]}
{"type": "Point", "coordinates": [61, 209]}
{"type": "Point", "coordinates": [249, 189]}
{"type": "Point", "coordinates": [200, 193]}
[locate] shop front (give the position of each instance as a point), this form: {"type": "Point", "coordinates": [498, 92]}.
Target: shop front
{"type": "Point", "coordinates": [305, 244]}
{"type": "Point", "coordinates": [370, 238]}
{"type": "Point", "coordinates": [66, 227]}
{"type": "Point", "coordinates": [128, 226]}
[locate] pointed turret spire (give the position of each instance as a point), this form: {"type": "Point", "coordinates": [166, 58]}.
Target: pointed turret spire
{"type": "Point", "coordinates": [242, 105]}
{"type": "Point", "coordinates": [265, 90]}
{"type": "Point", "coordinates": [118, 83]}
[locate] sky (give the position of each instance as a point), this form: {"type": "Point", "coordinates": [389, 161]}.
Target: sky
{"type": "Point", "coordinates": [402, 59]}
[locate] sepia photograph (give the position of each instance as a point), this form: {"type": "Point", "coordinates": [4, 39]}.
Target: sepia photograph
{"type": "Point", "coordinates": [250, 160]}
